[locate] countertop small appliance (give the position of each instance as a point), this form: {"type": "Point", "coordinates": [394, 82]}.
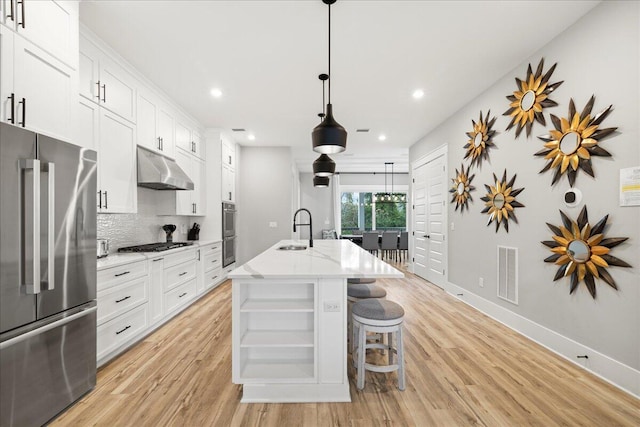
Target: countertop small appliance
{"type": "Point", "coordinates": [169, 229]}
{"type": "Point", "coordinates": [103, 247]}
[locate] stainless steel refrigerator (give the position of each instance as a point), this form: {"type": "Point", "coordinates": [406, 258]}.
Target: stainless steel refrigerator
{"type": "Point", "coordinates": [47, 275]}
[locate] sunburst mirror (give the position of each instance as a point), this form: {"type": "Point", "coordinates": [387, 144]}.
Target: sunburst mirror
{"type": "Point", "coordinates": [480, 139]}
{"type": "Point", "coordinates": [500, 201]}
{"type": "Point", "coordinates": [530, 98]}
{"type": "Point", "coordinates": [582, 251]}
{"type": "Point", "coordinates": [574, 141]}
{"type": "Point", "coordinates": [462, 188]}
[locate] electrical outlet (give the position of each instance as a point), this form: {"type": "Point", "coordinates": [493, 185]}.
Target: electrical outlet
{"type": "Point", "coordinates": [453, 225]}
{"type": "Point", "coordinates": [273, 224]}
{"type": "Point", "coordinates": [481, 282]}
{"type": "Point", "coordinates": [331, 306]}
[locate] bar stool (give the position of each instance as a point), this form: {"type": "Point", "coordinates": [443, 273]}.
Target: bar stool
{"type": "Point", "coordinates": [383, 317]}
{"type": "Point", "coordinates": [358, 289]}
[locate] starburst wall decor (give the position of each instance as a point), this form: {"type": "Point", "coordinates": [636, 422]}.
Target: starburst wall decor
{"type": "Point", "coordinates": [480, 139]}
{"type": "Point", "coordinates": [574, 142]}
{"type": "Point", "coordinates": [582, 251]}
{"type": "Point", "coordinates": [500, 201]}
{"type": "Point", "coordinates": [462, 188]}
{"type": "Point", "coordinates": [531, 97]}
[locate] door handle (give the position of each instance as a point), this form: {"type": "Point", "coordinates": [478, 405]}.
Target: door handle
{"type": "Point", "coordinates": [427, 236]}
{"type": "Point", "coordinates": [104, 92]}
{"type": "Point", "coordinates": [30, 243]}
{"type": "Point", "coordinates": [49, 168]}
{"type": "Point", "coordinates": [98, 84]}
{"type": "Point", "coordinates": [106, 206]}
{"type": "Point", "coordinates": [11, 118]}
{"type": "Point", "coordinates": [10, 15]}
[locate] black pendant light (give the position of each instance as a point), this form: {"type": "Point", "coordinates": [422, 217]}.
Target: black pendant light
{"type": "Point", "coordinates": [390, 197]}
{"type": "Point", "coordinates": [323, 166]}
{"type": "Point", "coordinates": [321, 181]}
{"type": "Point", "coordinates": [329, 137]}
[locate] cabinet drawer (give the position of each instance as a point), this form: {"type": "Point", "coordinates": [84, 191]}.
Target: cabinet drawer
{"type": "Point", "coordinates": [212, 260]}
{"type": "Point", "coordinates": [179, 296]}
{"type": "Point", "coordinates": [179, 274]}
{"type": "Point", "coordinates": [115, 276]}
{"type": "Point", "coordinates": [212, 278]}
{"type": "Point", "coordinates": [118, 331]}
{"type": "Point", "coordinates": [122, 298]}
{"type": "Point", "coordinates": [179, 258]}
{"type": "Point", "coordinates": [213, 247]}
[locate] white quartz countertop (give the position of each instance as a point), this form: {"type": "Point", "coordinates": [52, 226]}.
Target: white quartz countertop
{"type": "Point", "coordinates": [327, 258]}
{"type": "Point", "coordinates": [117, 259]}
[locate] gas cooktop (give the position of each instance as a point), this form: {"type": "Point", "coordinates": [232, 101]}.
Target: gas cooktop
{"type": "Point", "coordinates": [155, 247]}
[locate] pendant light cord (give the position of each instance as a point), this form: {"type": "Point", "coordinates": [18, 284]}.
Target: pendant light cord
{"type": "Point", "coordinates": [329, 53]}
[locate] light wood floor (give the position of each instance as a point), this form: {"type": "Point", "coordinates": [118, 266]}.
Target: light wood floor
{"type": "Point", "coordinates": [463, 368]}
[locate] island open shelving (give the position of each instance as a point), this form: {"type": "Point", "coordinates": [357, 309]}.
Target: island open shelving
{"type": "Point", "coordinates": [289, 321]}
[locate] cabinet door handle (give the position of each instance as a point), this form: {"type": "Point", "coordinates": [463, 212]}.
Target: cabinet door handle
{"type": "Point", "coordinates": [122, 330]}
{"type": "Point", "coordinates": [123, 299]}
{"type": "Point", "coordinates": [162, 144]}
{"type": "Point", "coordinates": [23, 123]}
{"type": "Point", "coordinates": [215, 260]}
{"type": "Point", "coordinates": [105, 200]}
{"type": "Point", "coordinates": [98, 84]}
{"type": "Point", "coordinates": [21, 2]}
{"type": "Point", "coordinates": [229, 160]}
{"type": "Point", "coordinates": [122, 274]}
{"type": "Point", "coordinates": [157, 259]}
{"type": "Point", "coordinates": [100, 199]}
{"type": "Point", "coordinates": [104, 92]}
{"type": "Point", "coordinates": [229, 195]}
{"type": "Point", "coordinates": [159, 146]}
{"type": "Point", "coordinates": [183, 273]}
{"type": "Point", "coordinates": [181, 295]}
{"type": "Point", "coordinates": [11, 118]}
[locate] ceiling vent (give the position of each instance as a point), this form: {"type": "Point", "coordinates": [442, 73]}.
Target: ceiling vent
{"type": "Point", "coordinates": [362, 130]}
{"type": "Point", "coordinates": [239, 130]}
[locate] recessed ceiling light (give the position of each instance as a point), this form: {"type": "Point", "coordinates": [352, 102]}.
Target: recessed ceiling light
{"type": "Point", "coordinates": [216, 93]}
{"type": "Point", "coordinates": [382, 137]}
{"type": "Point", "coordinates": [418, 93]}
{"type": "Point", "coordinates": [251, 137]}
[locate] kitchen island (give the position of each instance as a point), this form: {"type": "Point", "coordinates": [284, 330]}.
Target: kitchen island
{"type": "Point", "coordinates": [289, 321]}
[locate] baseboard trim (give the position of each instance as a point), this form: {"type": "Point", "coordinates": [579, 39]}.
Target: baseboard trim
{"type": "Point", "coordinates": [610, 370]}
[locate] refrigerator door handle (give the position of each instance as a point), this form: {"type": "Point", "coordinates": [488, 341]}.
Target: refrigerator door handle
{"type": "Point", "coordinates": [30, 226]}
{"type": "Point", "coordinates": [47, 327]}
{"type": "Point", "coordinates": [49, 167]}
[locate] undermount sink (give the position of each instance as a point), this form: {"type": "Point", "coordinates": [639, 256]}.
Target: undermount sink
{"type": "Point", "coordinates": [292, 248]}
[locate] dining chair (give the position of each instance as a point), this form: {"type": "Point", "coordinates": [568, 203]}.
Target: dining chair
{"type": "Point", "coordinates": [403, 246]}
{"type": "Point", "coordinates": [390, 244]}
{"type": "Point", "coordinates": [370, 241]}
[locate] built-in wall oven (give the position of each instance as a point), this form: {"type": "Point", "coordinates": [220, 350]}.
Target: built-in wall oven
{"type": "Point", "coordinates": [228, 233]}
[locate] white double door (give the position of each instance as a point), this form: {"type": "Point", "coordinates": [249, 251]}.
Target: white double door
{"type": "Point", "coordinates": [429, 217]}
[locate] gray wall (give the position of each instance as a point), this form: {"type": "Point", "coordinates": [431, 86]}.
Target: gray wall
{"type": "Point", "coordinates": [598, 55]}
{"type": "Point", "coordinates": [319, 201]}
{"type": "Point", "coordinates": [264, 188]}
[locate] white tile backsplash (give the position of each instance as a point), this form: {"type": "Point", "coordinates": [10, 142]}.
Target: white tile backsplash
{"type": "Point", "coordinates": [142, 227]}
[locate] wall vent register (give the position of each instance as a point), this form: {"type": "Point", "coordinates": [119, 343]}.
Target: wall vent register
{"type": "Point", "coordinates": [508, 274]}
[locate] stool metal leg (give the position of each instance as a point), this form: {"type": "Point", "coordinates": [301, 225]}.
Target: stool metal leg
{"type": "Point", "coordinates": [400, 348]}
{"type": "Point", "coordinates": [361, 351]}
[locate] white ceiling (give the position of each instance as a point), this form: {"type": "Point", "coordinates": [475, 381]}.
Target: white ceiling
{"type": "Point", "coordinates": [266, 56]}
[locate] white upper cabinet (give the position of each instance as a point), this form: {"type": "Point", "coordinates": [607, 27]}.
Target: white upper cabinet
{"type": "Point", "coordinates": [191, 202]}
{"type": "Point", "coordinates": [228, 152]}
{"type": "Point", "coordinates": [37, 89]}
{"type": "Point", "coordinates": [104, 82]}
{"type": "Point", "coordinates": [155, 125]}
{"type": "Point", "coordinates": [189, 139]}
{"type": "Point", "coordinates": [114, 140]}
{"type": "Point", "coordinates": [52, 25]}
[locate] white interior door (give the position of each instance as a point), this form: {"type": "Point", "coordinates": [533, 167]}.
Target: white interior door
{"type": "Point", "coordinates": [419, 221]}
{"type": "Point", "coordinates": [436, 220]}
{"type": "Point", "coordinates": [430, 218]}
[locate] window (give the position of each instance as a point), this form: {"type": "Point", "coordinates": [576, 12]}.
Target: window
{"type": "Point", "coordinates": [360, 212]}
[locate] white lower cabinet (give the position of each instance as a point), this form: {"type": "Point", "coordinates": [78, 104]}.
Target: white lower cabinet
{"type": "Point", "coordinates": [156, 276]}
{"type": "Point", "coordinates": [275, 332]}
{"type": "Point", "coordinates": [210, 266]}
{"type": "Point", "coordinates": [123, 295]}
{"type": "Point", "coordinates": [179, 296]}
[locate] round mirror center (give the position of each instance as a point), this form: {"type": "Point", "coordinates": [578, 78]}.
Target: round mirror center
{"type": "Point", "coordinates": [527, 101]}
{"type": "Point", "coordinates": [498, 200]}
{"type": "Point", "coordinates": [578, 251]}
{"type": "Point", "coordinates": [460, 188]}
{"type": "Point", "coordinates": [569, 142]}
{"type": "Point", "coordinates": [478, 139]}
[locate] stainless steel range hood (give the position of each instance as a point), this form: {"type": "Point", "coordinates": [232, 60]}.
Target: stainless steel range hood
{"type": "Point", "coordinates": [160, 173]}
